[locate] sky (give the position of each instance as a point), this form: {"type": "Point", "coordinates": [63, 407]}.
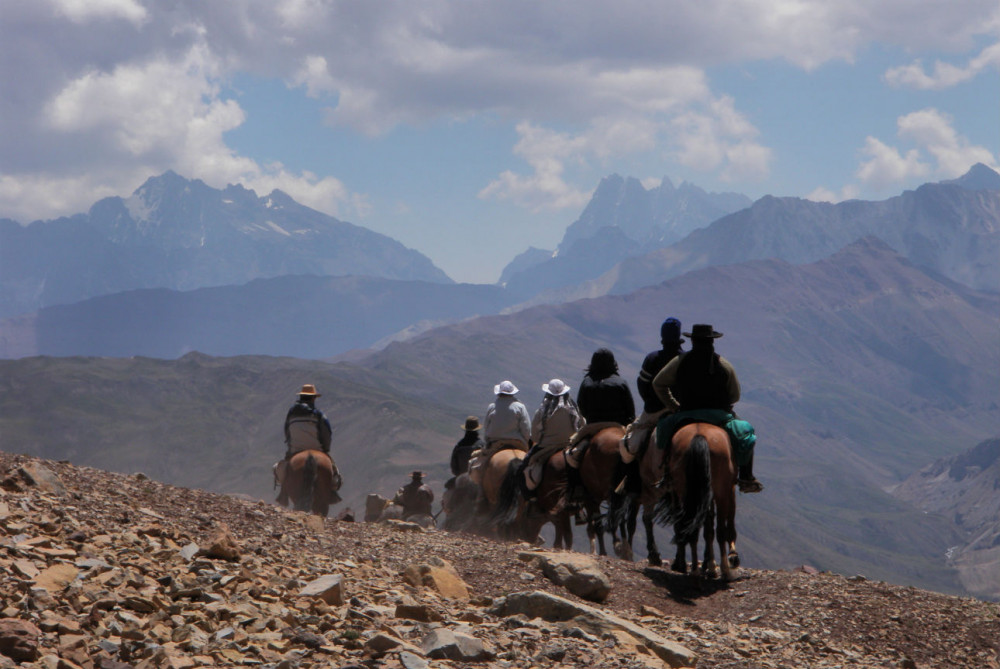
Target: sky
{"type": "Point", "coordinates": [473, 130]}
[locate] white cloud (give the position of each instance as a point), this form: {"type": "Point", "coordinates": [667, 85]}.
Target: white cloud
{"type": "Point", "coordinates": [821, 194]}
{"type": "Point", "coordinates": [81, 11]}
{"type": "Point", "coordinates": [944, 75]}
{"type": "Point", "coordinates": [545, 151]}
{"type": "Point", "coordinates": [629, 77]}
{"type": "Point", "coordinates": [937, 150]}
{"type": "Point", "coordinates": [886, 166]}
{"type": "Point", "coordinates": [932, 131]}
{"type": "Point", "coordinates": [719, 137]}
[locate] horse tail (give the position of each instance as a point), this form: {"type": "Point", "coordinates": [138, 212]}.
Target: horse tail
{"type": "Point", "coordinates": [689, 516]}
{"type": "Point", "coordinates": [304, 501]}
{"type": "Point", "coordinates": [621, 507]}
{"type": "Point", "coordinates": [508, 497]}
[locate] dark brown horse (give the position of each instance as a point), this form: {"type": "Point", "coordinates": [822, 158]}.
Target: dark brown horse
{"type": "Point", "coordinates": [623, 508]}
{"type": "Point", "coordinates": [597, 469]}
{"type": "Point", "coordinates": [550, 505]}
{"type": "Point", "coordinates": [311, 483]}
{"type": "Point", "coordinates": [703, 472]}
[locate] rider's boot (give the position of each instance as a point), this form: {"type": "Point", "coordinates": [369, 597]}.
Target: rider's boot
{"type": "Point", "coordinates": [746, 480]}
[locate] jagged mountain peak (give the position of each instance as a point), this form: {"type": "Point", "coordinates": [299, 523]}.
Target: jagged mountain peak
{"type": "Point", "coordinates": [979, 177]}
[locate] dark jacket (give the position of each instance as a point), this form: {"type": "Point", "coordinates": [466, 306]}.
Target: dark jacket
{"type": "Point", "coordinates": [651, 366]}
{"type": "Point", "coordinates": [463, 451]}
{"type": "Point", "coordinates": [606, 399]}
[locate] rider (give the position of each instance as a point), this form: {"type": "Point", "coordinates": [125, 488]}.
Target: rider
{"type": "Point", "coordinates": [306, 428]}
{"type": "Point", "coordinates": [554, 424]}
{"type": "Point", "coordinates": [507, 425]}
{"type": "Point", "coordinates": [463, 450]}
{"type": "Point", "coordinates": [705, 386]}
{"type": "Point", "coordinates": [604, 397]}
{"type": "Point", "coordinates": [634, 442]}
{"type": "Point", "coordinates": [415, 497]}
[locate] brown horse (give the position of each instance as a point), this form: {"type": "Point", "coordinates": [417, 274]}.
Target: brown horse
{"type": "Point", "coordinates": [550, 504]}
{"type": "Point", "coordinates": [703, 472]}
{"type": "Point", "coordinates": [597, 468]}
{"type": "Point", "coordinates": [311, 483]}
{"type": "Point", "coordinates": [623, 508]}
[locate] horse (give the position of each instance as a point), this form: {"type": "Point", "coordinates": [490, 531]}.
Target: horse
{"type": "Point", "coordinates": [498, 501]}
{"type": "Point", "coordinates": [310, 483]}
{"type": "Point", "coordinates": [623, 508]}
{"type": "Point", "coordinates": [597, 468]}
{"type": "Point", "coordinates": [550, 504]}
{"type": "Point", "coordinates": [703, 472]}
{"type": "Point", "coordinates": [459, 504]}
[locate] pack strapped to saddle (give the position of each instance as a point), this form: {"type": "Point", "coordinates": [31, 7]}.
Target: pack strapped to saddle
{"type": "Point", "coordinates": [741, 432]}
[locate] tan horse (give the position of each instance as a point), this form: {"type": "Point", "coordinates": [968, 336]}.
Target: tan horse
{"type": "Point", "coordinates": [311, 483]}
{"type": "Point", "coordinates": [498, 501]}
{"type": "Point", "coordinates": [703, 472]}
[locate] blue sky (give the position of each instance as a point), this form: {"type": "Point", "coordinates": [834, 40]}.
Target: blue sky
{"type": "Point", "coordinates": [473, 130]}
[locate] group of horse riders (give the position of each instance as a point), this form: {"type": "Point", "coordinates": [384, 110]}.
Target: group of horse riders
{"type": "Point", "coordinates": [677, 387]}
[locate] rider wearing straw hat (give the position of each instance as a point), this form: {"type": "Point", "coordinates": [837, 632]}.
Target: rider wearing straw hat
{"type": "Point", "coordinates": [306, 428]}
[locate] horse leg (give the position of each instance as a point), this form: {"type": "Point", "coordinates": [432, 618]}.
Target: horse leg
{"type": "Point", "coordinates": [726, 530]}
{"type": "Point", "coordinates": [710, 567]}
{"type": "Point", "coordinates": [564, 531]}
{"type": "Point", "coordinates": [680, 562]}
{"type": "Point", "coordinates": [652, 552]}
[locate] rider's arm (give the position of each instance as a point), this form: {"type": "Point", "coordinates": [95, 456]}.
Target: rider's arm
{"type": "Point", "coordinates": [664, 380]}
{"type": "Point", "coordinates": [733, 385]}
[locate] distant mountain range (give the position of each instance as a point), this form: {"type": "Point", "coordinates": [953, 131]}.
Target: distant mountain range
{"type": "Point", "coordinates": [181, 234]}
{"type": "Point", "coordinates": [622, 219]}
{"type": "Point", "coordinates": [857, 370]}
{"type": "Point", "coordinates": [952, 228]}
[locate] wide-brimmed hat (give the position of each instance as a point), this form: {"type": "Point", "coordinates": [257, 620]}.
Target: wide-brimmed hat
{"type": "Point", "coordinates": [555, 387]}
{"type": "Point", "coordinates": [309, 389]}
{"type": "Point", "coordinates": [505, 388]}
{"type": "Point", "coordinates": [471, 423]}
{"type": "Point", "coordinates": [417, 474]}
{"type": "Point", "coordinates": [703, 331]}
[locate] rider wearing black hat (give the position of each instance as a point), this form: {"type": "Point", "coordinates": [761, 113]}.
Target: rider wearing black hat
{"type": "Point", "coordinates": [705, 387]}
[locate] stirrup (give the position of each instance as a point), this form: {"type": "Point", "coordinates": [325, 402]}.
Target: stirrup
{"type": "Point", "coordinates": [749, 485]}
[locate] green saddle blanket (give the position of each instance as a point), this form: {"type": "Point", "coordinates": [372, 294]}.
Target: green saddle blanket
{"type": "Point", "coordinates": [741, 432]}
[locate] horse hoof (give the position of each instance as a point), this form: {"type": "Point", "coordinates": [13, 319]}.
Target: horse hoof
{"type": "Point", "coordinates": [734, 559]}
{"type": "Point", "coordinates": [679, 567]}
{"type": "Point", "coordinates": [654, 560]}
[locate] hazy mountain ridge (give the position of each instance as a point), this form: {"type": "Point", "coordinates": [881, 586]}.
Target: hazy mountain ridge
{"type": "Point", "coordinates": [181, 234]}
{"type": "Point", "coordinates": [622, 219]}
{"type": "Point", "coordinates": [303, 316]}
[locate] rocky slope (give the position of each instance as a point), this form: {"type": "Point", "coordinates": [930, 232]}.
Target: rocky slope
{"type": "Point", "coordinates": [105, 570]}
